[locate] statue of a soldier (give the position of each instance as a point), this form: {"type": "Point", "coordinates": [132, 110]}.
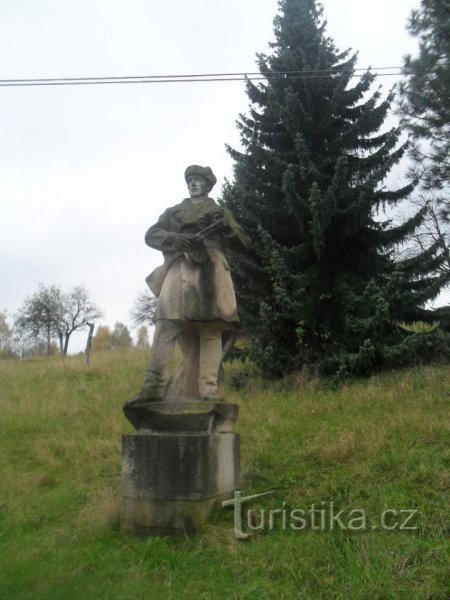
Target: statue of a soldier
{"type": "Point", "coordinates": [196, 300]}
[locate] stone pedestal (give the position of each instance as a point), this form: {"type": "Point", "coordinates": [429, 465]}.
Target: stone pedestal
{"type": "Point", "coordinates": [183, 460]}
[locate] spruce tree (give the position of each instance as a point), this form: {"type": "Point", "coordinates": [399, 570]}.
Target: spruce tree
{"type": "Point", "coordinates": [425, 97]}
{"type": "Point", "coordinates": [321, 286]}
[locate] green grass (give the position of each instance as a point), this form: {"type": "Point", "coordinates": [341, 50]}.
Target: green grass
{"type": "Point", "coordinates": [371, 445]}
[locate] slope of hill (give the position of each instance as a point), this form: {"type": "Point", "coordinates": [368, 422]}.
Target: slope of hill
{"type": "Point", "coordinates": [372, 452]}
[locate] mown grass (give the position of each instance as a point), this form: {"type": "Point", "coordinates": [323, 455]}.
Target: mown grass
{"type": "Point", "coordinates": [373, 444]}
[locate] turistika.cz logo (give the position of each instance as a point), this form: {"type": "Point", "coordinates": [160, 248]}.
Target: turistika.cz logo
{"type": "Point", "coordinates": [323, 516]}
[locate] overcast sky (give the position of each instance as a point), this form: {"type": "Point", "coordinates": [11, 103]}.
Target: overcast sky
{"type": "Point", "coordinates": [85, 170]}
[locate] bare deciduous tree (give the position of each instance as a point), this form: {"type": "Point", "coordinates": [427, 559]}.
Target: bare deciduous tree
{"type": "Point", "coordinates": [433, 232]}
{"type": "Point", "coordinates": [55, 315]}
{"type": "Point", "coordinates": [143, 310]}
{"type": "Point", "coordinates": [78, 311]}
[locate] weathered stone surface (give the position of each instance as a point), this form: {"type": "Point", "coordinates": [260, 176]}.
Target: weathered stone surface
{"type": "Point", "coordinates": [180, 467]}
{"type": "Point", "coordinates": [185, 456]}
{"type": "Point", "coordinates": [172, 481]}
{"type": "Point", "coordinates": [196, 306]}
{"type": "Point", "coordinates": [174, 518]}
{"type": "Point", "coordinates": [189, 416]}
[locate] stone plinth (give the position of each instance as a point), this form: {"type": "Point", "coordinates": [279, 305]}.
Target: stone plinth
{"type": "Point", "coordinates": [187, 416]}
{"type": "Point", "coordinates": [182, 462]}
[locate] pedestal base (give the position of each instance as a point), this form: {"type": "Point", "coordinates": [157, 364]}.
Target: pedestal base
{"type": "Point", "coordinates": [172, 480]}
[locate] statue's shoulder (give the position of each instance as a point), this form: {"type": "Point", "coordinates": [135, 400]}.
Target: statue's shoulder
{"type": "Point", "coordinates": [183, 204]}
{"type": "Point", "coordinates": [176, 208]}
{"type": "Point", "coordinates": [172, 212]}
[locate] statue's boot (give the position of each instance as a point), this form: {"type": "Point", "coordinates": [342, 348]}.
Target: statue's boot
{"type": "Point", "coordinates": [143, 397]}
{"type": "Point", "coordinates": [153, 390]}
{"type": "Point", "coordinates": [147, 395]}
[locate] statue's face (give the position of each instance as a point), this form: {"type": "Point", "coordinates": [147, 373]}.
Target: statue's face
{"type": "Point", "coordinates": [197, 186]}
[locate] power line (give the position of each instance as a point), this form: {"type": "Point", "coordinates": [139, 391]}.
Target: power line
{"type": "Point", "coordinates": [196, 78]}
{"type": "Point", "coordinates": [18, 266]}
{"type": "Point", "coordinates": [14, 270]}
{"type": "Point", "coordinates": [242, 73]}
{"type": "Point", "coordinates": [16, 262]}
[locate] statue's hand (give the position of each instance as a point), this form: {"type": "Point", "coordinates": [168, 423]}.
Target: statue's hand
{"type": "Point", "coordinates": [210, 218]}
{"type": "Point", "coordinates": [203, 221]}
{"type": "Point", "coordinates": [182, 241]}
{"type": "Point", "coordinates": [217, 215]}
{"type": "Point", "coordinates": [220, 215]}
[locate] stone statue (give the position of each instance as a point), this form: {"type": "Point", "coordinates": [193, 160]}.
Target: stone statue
{"type": "Point", "coordinates": [196, 300]}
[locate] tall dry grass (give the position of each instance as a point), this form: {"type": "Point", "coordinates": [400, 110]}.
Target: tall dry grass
{"type": "Point", "coordinates": [372, 444]}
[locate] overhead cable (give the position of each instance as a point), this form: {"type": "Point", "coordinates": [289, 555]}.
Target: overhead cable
{"type": "Point", "coordinates": [199, 77]}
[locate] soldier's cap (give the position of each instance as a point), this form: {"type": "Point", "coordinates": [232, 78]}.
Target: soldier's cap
{"type": "Point", "coordinates": [205, 172]}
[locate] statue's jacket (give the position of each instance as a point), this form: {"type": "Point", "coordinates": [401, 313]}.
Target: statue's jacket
{"type": "Point", "coordinates": [190, 289]}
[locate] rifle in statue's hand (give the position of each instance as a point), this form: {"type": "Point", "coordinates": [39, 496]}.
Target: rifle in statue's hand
{"type": "Point", "coordinates": [209, 224]}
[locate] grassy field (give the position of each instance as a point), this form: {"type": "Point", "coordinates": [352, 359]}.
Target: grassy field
{"type": "Point", "coordinates": [371, 446]}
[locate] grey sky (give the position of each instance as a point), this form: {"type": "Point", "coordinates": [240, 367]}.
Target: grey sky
{"type": "Point", "coordinates": [86, 170]}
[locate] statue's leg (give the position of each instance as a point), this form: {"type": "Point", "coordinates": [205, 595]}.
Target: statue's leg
{"type": "Point", "coordinates": [210, 335]}
{"type": "Point", "coordinates": [185, 379]}
{"type": "Point", "coordinates": [158, 371]}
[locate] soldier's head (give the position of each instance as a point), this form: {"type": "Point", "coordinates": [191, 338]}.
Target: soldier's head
{"type": "Point", "coordinates": [200, 180]}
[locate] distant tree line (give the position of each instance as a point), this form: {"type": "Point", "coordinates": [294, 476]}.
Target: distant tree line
{"type": "Point", "coordinates": [52, 315]}
{"type": "Point", "coordinates": [45, 322]}
{"type": "Point", "coordinates": [118, 338]}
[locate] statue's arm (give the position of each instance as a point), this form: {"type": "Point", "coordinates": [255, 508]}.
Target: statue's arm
{"type": "Point", "coordinates": [165, 235]}
{"type": "Point", "coordinates": [234, 235]}
{"type": "Point", "coordinates": [159, 235]}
